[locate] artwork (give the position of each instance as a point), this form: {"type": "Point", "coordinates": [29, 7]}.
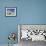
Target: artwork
{"type": "Point", "coordinates": [10, 11]}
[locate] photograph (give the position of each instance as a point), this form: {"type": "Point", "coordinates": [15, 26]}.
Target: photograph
{"type": "Point", "coordinates": [10, 11]}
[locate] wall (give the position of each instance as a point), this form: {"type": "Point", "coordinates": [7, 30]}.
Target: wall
{"type": "Point", "coordinates": [28, 12]}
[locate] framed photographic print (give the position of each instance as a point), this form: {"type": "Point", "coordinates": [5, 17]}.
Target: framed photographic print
{"type": "Point", "coordinates": [10, 11]}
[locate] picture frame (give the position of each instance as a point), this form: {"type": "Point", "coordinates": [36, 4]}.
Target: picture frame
{"type": "Point", "coordinates": [10, 11]}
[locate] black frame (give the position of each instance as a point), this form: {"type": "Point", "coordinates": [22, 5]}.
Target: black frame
{"type": "Point", "coordinates": [11, 8]}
